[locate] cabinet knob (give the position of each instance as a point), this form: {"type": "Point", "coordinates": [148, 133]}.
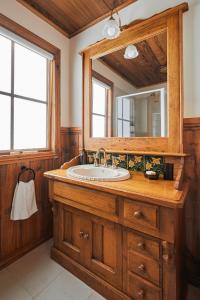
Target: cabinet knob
{"type": "Point", "coordinates": [138, 214]}
{"type": "Point", "coordinates": [141, 245]}
{"type": "Point", "coordinates": [141, 294]}
{"type": "Point", "coordinates": [86, 236]}
{"type": "Point", "coordinates": [141, 267]}
{"type": "Point", "coordinates": [81, 234]}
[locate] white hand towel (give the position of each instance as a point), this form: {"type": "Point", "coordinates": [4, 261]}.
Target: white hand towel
{"type": "Point", "coordinates": [24, 201]}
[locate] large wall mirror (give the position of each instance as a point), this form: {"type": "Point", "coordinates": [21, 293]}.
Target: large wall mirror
{"type": "Point", "coordinates": [133, 87]}
{"type": "Point", "coordinates": [129, 91]}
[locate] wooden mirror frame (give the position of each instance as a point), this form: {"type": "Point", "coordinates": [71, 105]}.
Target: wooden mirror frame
{"type": "Point", "coordinates": [170, 21]}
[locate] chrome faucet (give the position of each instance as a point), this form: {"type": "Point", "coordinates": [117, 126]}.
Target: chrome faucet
{"type": "Point", "coordinates": [97, 157]}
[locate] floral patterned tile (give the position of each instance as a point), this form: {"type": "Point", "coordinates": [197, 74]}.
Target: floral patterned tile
{"type": "Point", "coordinates": [90, 157]}
{"type": "Point", "coordinates": [109, 159]}
{"type": "Point", "coordinates": [120, 160]}
{"type": "Point", "coordinates": [139, 163]}
{"type": "Point", "coordinates": [136, 162]}
{"type": "Point", "coordinates": [154, 163]}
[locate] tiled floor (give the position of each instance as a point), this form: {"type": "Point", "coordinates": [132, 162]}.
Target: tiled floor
{"type": "Point", "coordinates": [36, 276]}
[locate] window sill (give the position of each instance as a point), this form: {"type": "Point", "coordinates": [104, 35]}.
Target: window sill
{"type": "Point", "coordinates": [16, 157]}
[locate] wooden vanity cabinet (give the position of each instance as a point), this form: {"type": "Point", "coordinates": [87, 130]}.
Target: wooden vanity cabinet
{"type": "Point", "coordinates": [91, 241]}
{"type": "Point", "coordinates": [131, 250]}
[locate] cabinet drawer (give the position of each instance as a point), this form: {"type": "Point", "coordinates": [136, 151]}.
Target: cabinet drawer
{"type": "Point", "coordinates": [81, 198]}
{"type": "Point", "coordinates": [143, 245]}
{"type": "Point", "coordinates": [141, 214]}
{"type": "Point", "coordinates": [141, 289]}
{"type": "Point", "coordinates": [144, 267]}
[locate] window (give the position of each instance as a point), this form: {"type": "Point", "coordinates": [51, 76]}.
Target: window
{"type": "Point", "coordinates": [24, 84]}
{"type": "Point", "coordinates": [29, 92]}
{"type": "Point", "coordinates": [123, 117]}
{"type": "Point", "coordinates": [101, 106]}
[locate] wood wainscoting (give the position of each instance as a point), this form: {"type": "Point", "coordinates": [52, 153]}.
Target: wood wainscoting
{"type": "Point", "coordinates": [71, 141]}
{"type": "Point", "coordinates": [19, 237]}
{"type": "Point", "coordinates": [192, 145]}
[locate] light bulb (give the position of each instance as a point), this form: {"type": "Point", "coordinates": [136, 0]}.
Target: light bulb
{"type": "Point", "coordinates": [111, 29]}
{"type": "Point", "coordinates": [131, 52]}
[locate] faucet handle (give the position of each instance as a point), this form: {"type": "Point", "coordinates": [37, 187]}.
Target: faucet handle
{"type": "Point", "coordinates": [105, 164]}
{"type": "Point", "coordinates": [115, 162]}
{"type": "Point", "coordinates": [96, 161]}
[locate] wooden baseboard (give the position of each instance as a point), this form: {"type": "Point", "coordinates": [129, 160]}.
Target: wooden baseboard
{"type": "Point", "coordinates": [7, 261]}
{"type": "Point", "coordinates": [98, 284]}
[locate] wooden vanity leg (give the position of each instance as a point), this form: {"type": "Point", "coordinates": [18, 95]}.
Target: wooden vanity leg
{"type": "Point", "coordinates": [169, 271]}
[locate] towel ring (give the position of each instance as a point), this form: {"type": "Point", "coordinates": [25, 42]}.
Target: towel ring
{"type": "Point", "coordinates": [24, 169]}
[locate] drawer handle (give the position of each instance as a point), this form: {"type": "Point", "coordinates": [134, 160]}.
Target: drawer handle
{"type": "Point", "coordinates": [138, 214]}
{"type": "Point", "coordinates": [86, 236]}
{"type": "Point", "coordinates": [141, 268]}
{"type": "Point", "coordinates": [141, 294]}
{"type": "Point", "coordinates": [141, 245]}
{"type": "Point", "coordinates": [83, 235]}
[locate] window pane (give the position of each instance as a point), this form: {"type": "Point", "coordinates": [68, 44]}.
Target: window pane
{"type": "Point", "coordinates": [5, 64]}
{"type": "Point", "coordinates": [119, 128]}
{"type": "Point", "coordinates": [30, 73]}
{"type": "Point", "coordinates": [4, 122]}
{"type": "Point", "coordinates": [126, 129]}
{"type": "Point", "coordinates": [98, 126]}
{"type": "Point", "coordinates": [119, 108]}
{"type": "Point", "coordinates": [99, 99]}
{"type": "Point", "coordinates": [29, 124]}
{"type": "Point", "coordinates": [126, 109]}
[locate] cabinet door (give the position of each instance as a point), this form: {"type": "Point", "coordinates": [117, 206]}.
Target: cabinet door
{"type": "Point", "coordinates": [106, 252]}
{"type": "Point", "coordinates": [93, 242]}
{"type": "Point", "coordinates": [73, 232]}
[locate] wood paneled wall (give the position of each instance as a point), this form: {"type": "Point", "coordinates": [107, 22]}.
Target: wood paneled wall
{"type": "Point", "coordinates": [192, 212]}
{"type": "Point", "coordinates": [71, 142]}
{"type": "Point", "coordinates": [18, 237]}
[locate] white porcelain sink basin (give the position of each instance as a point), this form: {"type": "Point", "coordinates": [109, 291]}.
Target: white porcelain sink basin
{"type": "Point", "coordinates": [90, 172]}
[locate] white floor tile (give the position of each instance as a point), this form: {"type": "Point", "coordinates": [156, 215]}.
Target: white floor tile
{"type": "Point", "coordinates": [70, 286]}
{"type": "Point", "coordinates": [56, 290]}
{"type": "Point", "coordinates": [39, 275]}
{"type": "Point", "coordinates": [35, 271]}
{"type": "Point", "coordinates": [96, 296]}
{"type": "Point", "coordinates": [10, 289]}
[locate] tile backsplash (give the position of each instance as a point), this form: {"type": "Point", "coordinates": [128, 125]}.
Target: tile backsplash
{"type": "Point", "coordinates": [131, 162]}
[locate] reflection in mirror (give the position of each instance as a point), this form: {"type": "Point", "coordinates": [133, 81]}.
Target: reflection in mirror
{"type": "Point", "coordinates": [129, 91]}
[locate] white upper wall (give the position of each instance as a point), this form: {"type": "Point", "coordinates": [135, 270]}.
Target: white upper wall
{"type": "Point", "coordinates": [117, 80]}
{"type": "Point", "coordinates": [140, 10]}
{"type": "Point", "coordinates": [18, 13]}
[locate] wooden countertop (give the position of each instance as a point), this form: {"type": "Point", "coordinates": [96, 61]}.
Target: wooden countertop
{"type": "Point", "coordinates": [161, 192]}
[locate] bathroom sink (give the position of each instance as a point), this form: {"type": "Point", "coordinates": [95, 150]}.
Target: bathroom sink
{"type": "Point", "coordinates": [90, 172]}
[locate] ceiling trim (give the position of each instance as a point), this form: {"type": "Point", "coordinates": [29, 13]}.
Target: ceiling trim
{"type": "Point", "coordinates": [43, 17]}
{"type": "Point", "coordinates": [51, 21]}
{"type": "Point", "coordinates": [122, 76]}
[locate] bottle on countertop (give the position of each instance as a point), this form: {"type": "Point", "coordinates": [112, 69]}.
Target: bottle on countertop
{"type": "Point", "coordinates": [83, 157]}
{"type": "Point", "coordinates": [168, 171]}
